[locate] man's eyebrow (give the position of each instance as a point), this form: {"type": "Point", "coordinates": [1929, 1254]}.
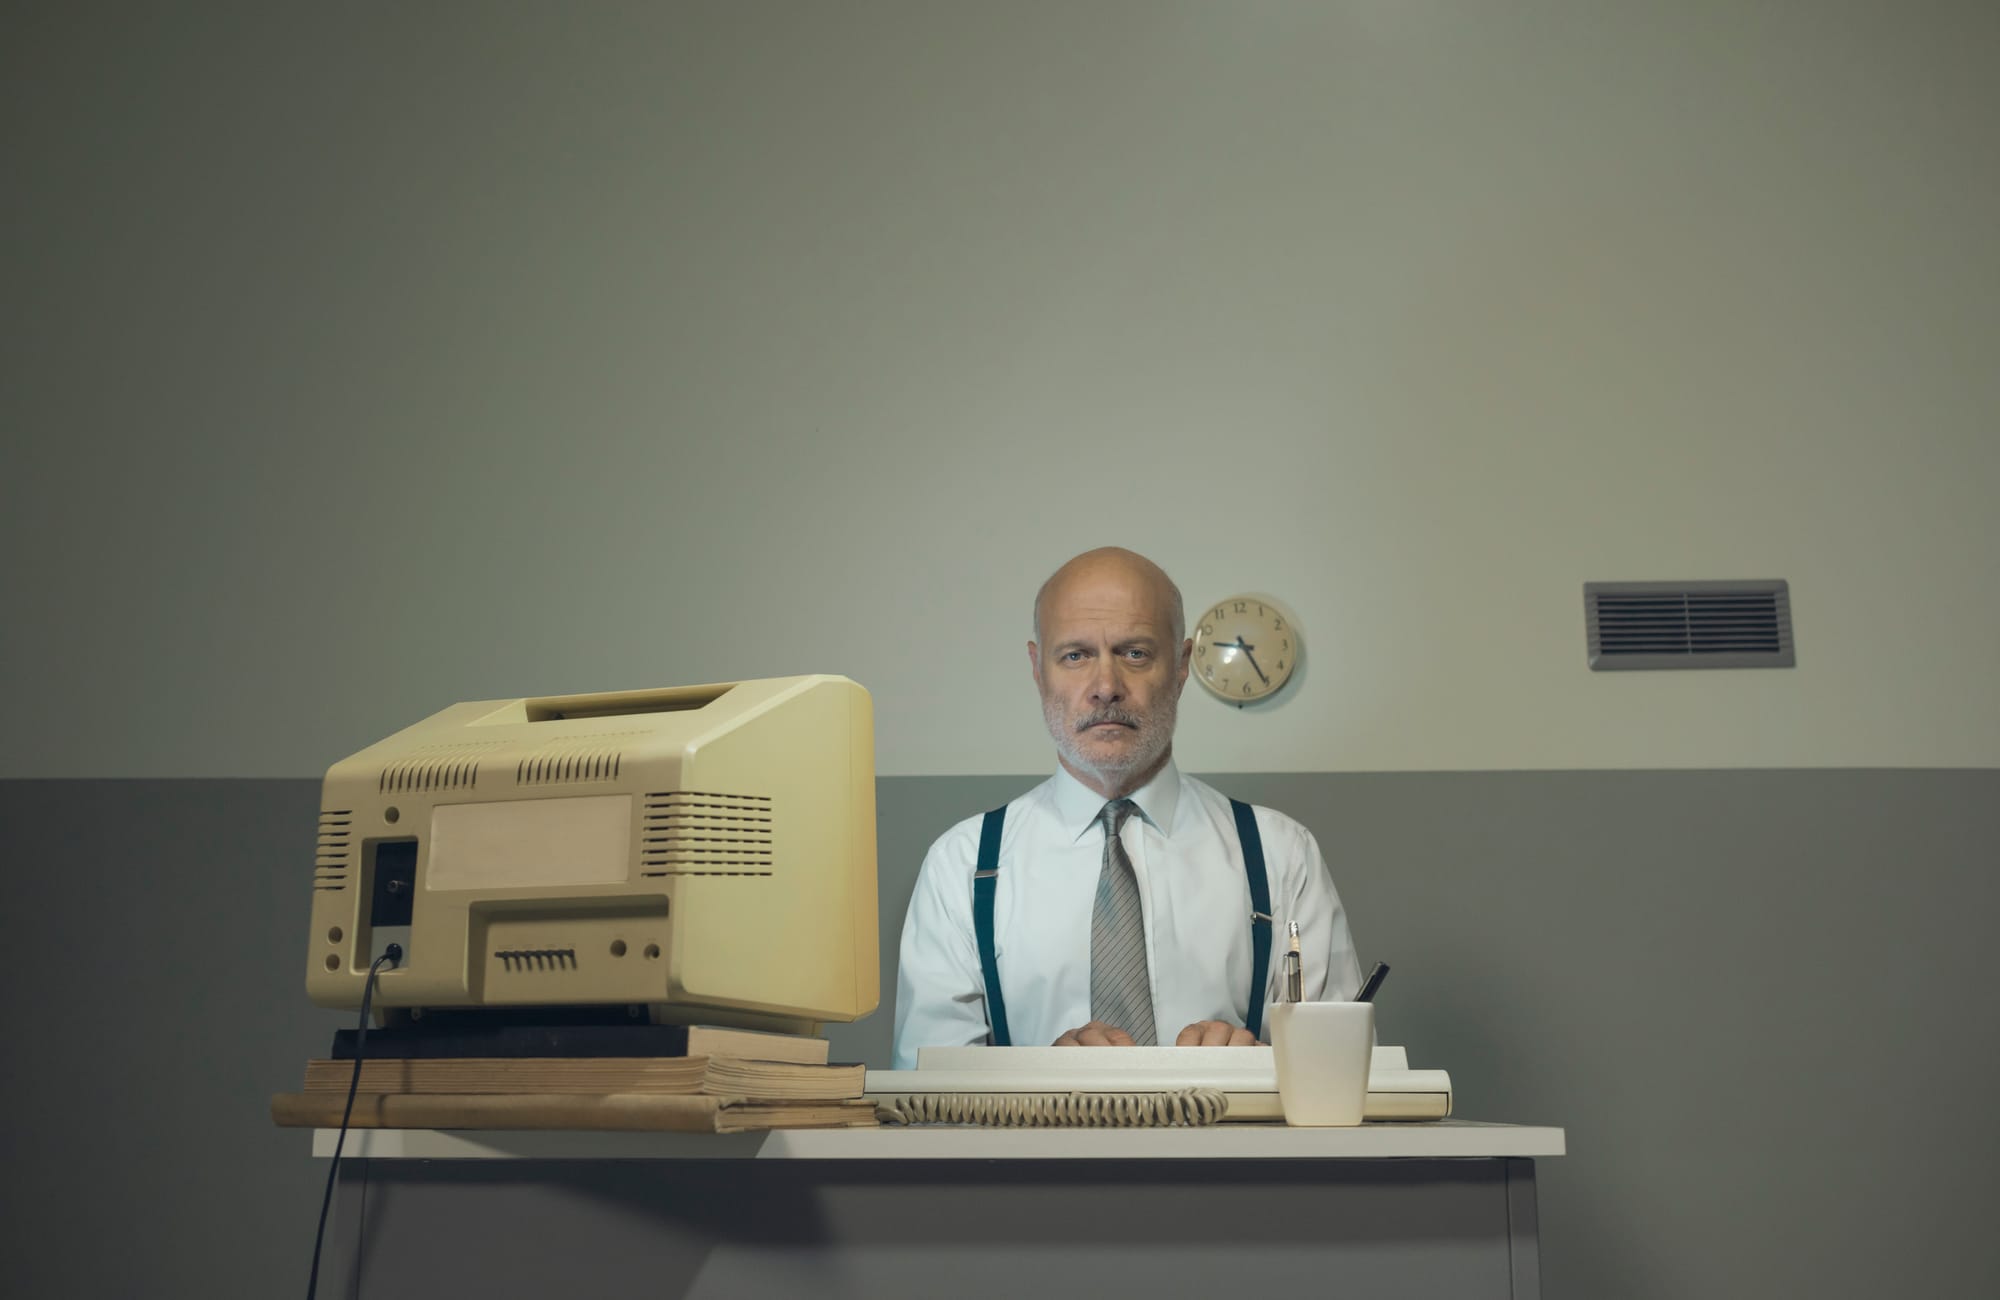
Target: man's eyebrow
{"type": "Point", "coordinates": [1143, 641]}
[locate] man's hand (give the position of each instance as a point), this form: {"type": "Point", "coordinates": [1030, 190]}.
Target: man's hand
{"type": "Point", "coordinates": [1095, 1034]}
{"type": "Point", "coordinates": [1216, 1033]}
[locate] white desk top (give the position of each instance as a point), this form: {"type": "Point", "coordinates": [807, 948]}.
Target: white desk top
{"type": "Point", "coordinates": [1433, 1140]}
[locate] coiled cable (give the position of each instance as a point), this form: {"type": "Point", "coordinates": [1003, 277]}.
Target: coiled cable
{"type": "Point", "coordinates": [1183, 1108]}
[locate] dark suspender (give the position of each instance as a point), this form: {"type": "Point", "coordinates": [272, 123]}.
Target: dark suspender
{"type": "Point", "coordinates": [1260, 912]}
{"type": "Point", "coordinates": [986, 877]}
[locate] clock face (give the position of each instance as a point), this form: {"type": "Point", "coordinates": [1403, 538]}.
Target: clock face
{"type": "Point", "coordinates": [1244, 649]}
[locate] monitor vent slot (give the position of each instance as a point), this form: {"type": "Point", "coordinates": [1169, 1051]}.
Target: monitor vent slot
{"type": "Point", "coordinates": [429, 774]}
{"type": "Point", "coordinates": [569, 767]}
{"type": "Point", "coordinates": [522, 960]}
{"type": "Point", "coordinates": [1637, 625]}
{"type": "Point", "coordinates": [336, 840]}
{"type": "Point", "coordinates": [696, 833]}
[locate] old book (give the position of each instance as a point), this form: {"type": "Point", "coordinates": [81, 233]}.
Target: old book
{"type": "Point", "coordinates": [754, 1045]}
{"type": "Point", "coordinates": [723, 1076]}
{"type": "Point", "coordinates": [475, 1032]}
{"type": "Point", "coordinates": [625, 1112]}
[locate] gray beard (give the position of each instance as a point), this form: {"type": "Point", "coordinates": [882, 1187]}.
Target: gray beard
{"type": "Point", "coordinates": [1158, 730]}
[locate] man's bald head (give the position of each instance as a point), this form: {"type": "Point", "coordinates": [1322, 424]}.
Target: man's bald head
{"type": "Point", "coordinates": [1115, 564]}
{"type": "Point", "coordinates": [1110, 658]}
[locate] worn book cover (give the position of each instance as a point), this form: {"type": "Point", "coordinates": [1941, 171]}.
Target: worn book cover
{"type": "Point", "coordinates": [630, 1112]}
{"type": "Point", "coordinates": [721, 1076]}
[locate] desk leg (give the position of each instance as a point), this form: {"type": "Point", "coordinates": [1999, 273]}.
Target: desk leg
{"type": "Point", "coordinates": [340, 1256]}
{"type": "Point", "coordinates": [1523, 1231]}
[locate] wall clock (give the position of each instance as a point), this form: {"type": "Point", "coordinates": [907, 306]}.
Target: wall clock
{"type": "Point", "coordinates": [1245, 649]}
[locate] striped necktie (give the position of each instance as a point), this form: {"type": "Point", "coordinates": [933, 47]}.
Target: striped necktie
{"type": "Point", "coordinates": [1121, 992]}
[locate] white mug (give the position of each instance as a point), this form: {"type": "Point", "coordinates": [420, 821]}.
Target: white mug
{"type": "Point", "coordinates": [1322, 1050]}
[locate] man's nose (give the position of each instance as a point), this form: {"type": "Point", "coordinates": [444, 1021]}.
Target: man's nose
{"type": "Point", "coordinates": [1106, 687]}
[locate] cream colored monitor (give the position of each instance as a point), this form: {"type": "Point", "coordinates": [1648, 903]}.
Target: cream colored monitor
{"type": "Point", "coordinates": [706, 852]}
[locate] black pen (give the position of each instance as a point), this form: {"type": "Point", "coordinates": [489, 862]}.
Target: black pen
{"type": "Point", "coordinates": [1373, 982]}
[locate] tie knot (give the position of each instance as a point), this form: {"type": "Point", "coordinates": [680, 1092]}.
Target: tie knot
{"type": "Point", "coordinates": [1114, 814]}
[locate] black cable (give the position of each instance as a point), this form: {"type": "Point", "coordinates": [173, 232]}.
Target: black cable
{"type": "Point", "coordinates": [393, 954]}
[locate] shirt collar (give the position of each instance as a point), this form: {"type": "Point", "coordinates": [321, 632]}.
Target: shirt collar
{"type": "Point", "coordinates": [1077, 805]}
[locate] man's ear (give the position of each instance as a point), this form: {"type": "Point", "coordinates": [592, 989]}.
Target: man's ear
{"type": "Point", "coordinates": [1035, 663]}
{"type": "Point", "coordinates": [1187, 662]}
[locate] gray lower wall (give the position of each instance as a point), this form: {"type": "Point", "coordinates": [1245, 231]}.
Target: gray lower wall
{"type": "Point", "coordinates": [1755, 999]}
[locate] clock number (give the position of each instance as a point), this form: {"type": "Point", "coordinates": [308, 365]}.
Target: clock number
{"type": "Point", "coordinates": [1223, 684]}
{"type": "Point", "coordinates": [1278, 626]}
{"type": "Point", "coordinates": [1217, 614]}
{"type": "Point", "coordinates": [1285, 643]}
{"type": "Point", "coordinates": [1241, 607]}
{"type": "Point", "coordinates": [1208, 629]}
{"type": "Point", "coordinates": [1246, 688]}
{"type": "Point", "coordinates": [1281, 665]}
{"type": "Point", "coordinates": [1208, 671]}
{"type": "Point", "coordinates": [1260, 611]}
{"type": "Point", "coordinates": [1201, 651]}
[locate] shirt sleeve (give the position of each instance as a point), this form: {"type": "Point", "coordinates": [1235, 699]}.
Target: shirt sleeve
{"type": "Point", "coordinates": [940, 990]}
{"type": "Point", "coordinates": [1332, 972]}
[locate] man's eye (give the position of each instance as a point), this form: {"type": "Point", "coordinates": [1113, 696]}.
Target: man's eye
{"type": "Point", "coordinates": [1072, 656]}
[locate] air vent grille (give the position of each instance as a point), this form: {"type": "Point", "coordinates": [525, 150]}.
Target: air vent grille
{"type": "Point", "coordinates": [560, 767]}
{"type": "Point", "coordinates": [1636, 625]}
{"type": "Point", "coordinates": [448, 773]}
{"type": "Point", "coordinates": [692, 833]}
{"type": "Point", "coordinates": [336, 831]}
{"type": "Point", "coordinates": [536, 959]}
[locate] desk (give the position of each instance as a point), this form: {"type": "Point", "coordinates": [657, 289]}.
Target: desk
{"type": "Point", "coordinates": [1384, 1210]}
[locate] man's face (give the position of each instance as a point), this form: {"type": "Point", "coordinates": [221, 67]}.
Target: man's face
{"type": "Point", "coordinates": [1110, 675]}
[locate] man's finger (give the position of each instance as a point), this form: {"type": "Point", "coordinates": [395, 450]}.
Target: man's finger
{"type": "Point", "coordinates": [1215, 1033]}
{"type": "Point", "coordinates": [1203, 1033]}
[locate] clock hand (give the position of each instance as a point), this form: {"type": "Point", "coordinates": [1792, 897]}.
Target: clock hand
{"type": "Point", "coordinates": [1253, 661]}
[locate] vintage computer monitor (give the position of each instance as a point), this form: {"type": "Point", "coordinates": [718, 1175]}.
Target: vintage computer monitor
{"type": "Point", "coordinates": [706, 853]}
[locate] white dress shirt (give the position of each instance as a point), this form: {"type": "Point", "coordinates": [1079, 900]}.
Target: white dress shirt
{"type": "Point", "coordinates": [1189, 864]}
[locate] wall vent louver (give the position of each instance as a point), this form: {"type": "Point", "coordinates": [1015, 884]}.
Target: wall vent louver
{"type": "Point", "coordinates": [336, 829]}
{"type": "Point", "coordinates": [1639, 625]}
{"type": "Point", "coordinates": [693, 833]}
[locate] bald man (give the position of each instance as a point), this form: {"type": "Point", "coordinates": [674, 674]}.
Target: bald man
{"type": "Point", "coordinates": [1112, 904]}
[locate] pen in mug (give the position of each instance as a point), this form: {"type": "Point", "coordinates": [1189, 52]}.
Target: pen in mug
{"type": "Point", "coordinates": [1373, 982]}
{"type": "Point", "coordinates": [1295, 976]}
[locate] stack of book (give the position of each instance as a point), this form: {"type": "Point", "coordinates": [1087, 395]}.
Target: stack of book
{"type": "Point", "coordinates": [729, 1081]}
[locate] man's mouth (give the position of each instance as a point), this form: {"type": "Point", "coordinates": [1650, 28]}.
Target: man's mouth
{"type": "Point", "coordinates": [1116, 724]}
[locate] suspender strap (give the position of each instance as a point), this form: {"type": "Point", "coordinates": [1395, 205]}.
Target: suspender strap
{"type": "Point", "coordinates": [984, 879]}
{"type": "Point", "coordinates": [1260, 913]}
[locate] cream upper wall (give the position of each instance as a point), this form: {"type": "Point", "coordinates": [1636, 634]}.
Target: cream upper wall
{"type": "Point", "coordinates": [364, 360]}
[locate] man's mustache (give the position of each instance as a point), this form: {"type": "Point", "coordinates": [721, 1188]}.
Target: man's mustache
{"type": "Point", "coordinates": [1119, 716]}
